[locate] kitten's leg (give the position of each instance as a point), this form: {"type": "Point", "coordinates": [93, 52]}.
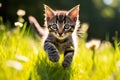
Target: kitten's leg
{"type": "Point", "coordinates": [68, 58]}
{"type": "Point", "coordinates": [52, 51]}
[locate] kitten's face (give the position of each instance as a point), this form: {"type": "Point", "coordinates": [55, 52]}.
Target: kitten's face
{"type": "Point", "coordinates": [61, 23]}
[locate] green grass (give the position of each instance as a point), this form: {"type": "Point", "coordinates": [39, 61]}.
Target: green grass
{"type": "Point", "coordinates": [19, 42]}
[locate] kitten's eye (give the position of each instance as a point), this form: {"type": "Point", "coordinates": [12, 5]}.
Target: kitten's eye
{"type": "Point", "coordinates": [67, 26]}
{"type": "Point", "coordinates": [54, 26]}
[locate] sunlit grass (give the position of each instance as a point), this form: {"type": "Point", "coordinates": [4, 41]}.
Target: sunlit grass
{"type": "Point", "coordinates": [23, 58]}
{"type": "Point", "coordinates": [15, 47]}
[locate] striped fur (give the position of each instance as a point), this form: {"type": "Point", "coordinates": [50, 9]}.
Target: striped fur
{"type": "Point", "coordinates": [61, 25]}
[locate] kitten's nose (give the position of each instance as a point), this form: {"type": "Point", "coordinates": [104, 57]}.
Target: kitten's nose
{"type": "Point", "coordinates": [60, 32]}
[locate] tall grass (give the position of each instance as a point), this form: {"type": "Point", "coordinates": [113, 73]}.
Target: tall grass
{"type": "Point", "coordinates": [23, 58]}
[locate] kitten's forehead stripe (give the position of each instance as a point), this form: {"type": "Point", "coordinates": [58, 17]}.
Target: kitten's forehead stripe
{"type": "Point", "coordinates": [61, 17]}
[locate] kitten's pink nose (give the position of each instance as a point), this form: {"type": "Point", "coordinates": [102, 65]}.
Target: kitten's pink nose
{"type": "Point", "coordinates": [60, 32]}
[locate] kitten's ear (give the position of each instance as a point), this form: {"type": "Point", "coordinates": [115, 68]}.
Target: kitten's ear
{"type": "Point", "coordinates": [49, 13]}
{"type": "Point", "coordinates": [74, 13]}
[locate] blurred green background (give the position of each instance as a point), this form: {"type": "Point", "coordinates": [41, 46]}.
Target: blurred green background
{"type": "Point", "coordinates": [103, 16]}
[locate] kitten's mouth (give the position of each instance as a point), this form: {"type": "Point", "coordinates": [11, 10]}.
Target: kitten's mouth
{"type": "Point", "coordinates": [63, 36]}
{"type": "Point", "coordinates": [60, 36]}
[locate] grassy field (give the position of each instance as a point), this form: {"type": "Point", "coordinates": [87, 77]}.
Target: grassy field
{"type": "Point", "coordinates": [23, 58]}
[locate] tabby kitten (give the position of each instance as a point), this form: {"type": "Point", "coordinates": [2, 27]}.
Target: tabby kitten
{"type": "Point", "coordinates": [61, 36]}
{"type": "Point", "coordinates": [61, 26]}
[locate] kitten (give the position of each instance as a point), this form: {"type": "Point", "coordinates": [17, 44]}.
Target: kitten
{"type": "Point", "coordinates": [61, 31]}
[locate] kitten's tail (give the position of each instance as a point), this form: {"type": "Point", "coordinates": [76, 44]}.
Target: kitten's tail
{"type": "Point", "coordinates": [40, 31]}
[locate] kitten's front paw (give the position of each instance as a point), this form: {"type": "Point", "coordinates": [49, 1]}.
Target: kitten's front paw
{"type": "Point", "coordinates": [54, 57]}
{"type": "Point", "coordinates": [66, 63]}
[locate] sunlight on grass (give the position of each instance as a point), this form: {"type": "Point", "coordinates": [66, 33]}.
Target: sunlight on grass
{"type": "Point", "coordinates": [17, 54]}
{"type": "Point", "coordinates": [23, 58]}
